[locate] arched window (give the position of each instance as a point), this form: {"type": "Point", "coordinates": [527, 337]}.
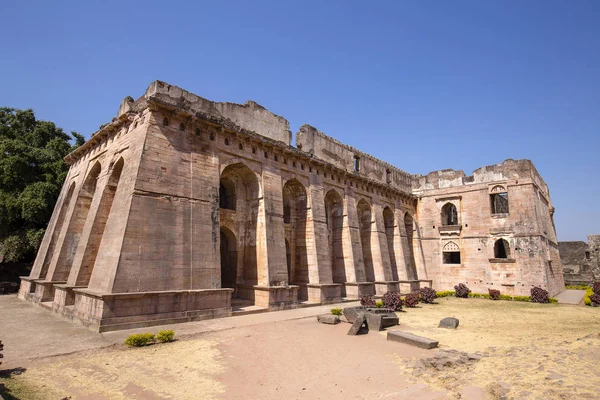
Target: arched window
{"type": "Point", "coordinates": [227, 198]}
{"type": "Point", "coordinates": [501, 249]}
{"type": "Point", "coordinates": [451, 253]}
{"type": "Point", "coordinates": [449, 215]}
{"type": "Point", "coordinates": [499, 200]}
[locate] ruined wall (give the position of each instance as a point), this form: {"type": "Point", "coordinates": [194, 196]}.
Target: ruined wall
{"type": "Point", "coordinates": [581, 261]}
{"type": "Point", "coordinates": [527, 227]}
{"type": "Point", "coordinates": [183, 209]}
{"type": "Point", "coordinates": [330, 150]}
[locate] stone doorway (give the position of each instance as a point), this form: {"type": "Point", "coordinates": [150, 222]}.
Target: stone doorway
{"type": "Point", "coordinates": [228, 259]}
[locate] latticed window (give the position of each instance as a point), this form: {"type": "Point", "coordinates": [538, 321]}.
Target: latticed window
{"type": "Point", "coordinates": [451, 253]}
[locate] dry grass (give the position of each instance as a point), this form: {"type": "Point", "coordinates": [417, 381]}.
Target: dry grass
{"type": "Point", "coordinates": [524, 344]}
{"type": "Point", "coordinates": [178, 370]}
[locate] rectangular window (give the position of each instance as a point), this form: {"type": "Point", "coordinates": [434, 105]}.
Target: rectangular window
{"type": "Point", "coordinates": [499, 203]}
{"type": "Point", "coordinates": [356, 163]}
{"type": "Point", "coordinates": [451, 257]}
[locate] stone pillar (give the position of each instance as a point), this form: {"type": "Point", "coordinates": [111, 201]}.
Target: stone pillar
{"type": "Point", "coordinates": [321, 287]}
{"type": "Point", "coordinates": [379, 249]}
{"type": "Point", "coordinates": [270, 232]}
{"type": "Point", "coordinates": [86, 232]}
{"type": "Point", "coordinates": [356, 285]}
{"type": "Point", "coordinates": [418, 254]}
{"type": "Point", "coordinates": [398, 247]}
{"type": "Point", "coordinates": [53, 230]}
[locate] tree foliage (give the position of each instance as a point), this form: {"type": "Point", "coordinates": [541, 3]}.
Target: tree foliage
{"type": "Point", "coordinates": [32, 171]}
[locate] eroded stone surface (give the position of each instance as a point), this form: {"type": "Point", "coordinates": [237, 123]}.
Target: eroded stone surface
{"type": "Point", "coordinates": [449, 323]}
{"type": "Point", "coordinates": [328, 319]}
{"type": "Point", "coordinates": [413, 340]}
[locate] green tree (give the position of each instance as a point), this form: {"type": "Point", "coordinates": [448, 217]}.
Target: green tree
{"type": "Point", "coordinates": [32, 172]}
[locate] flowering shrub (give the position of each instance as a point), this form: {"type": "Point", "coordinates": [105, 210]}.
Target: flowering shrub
{"type": "Point", "coordinates": [165, 336]}
{"type": "Point", "coordinates": [462, 290]}
{"type": "Point", "coordinates": [367, 301]}
{"type": "Point", "coordinates": [428, 295]}
{"type": "Point", "coordinates": [139, 339]}
{"type": "Point", "coordinates": [392, 301]}
{"type": "Point", "coordinates": [539, 295]}
{"type": "Point", "coordinates": [495, 294]}
{"type": "Point", "coordinates": [411, 299]}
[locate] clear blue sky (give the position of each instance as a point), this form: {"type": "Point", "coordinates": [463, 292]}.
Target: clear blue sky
{"type": "Point", "coordinates": [425, 85]}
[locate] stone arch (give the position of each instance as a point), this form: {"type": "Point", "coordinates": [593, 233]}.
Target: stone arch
{"type": "Point", "coordinates": [247, 191]}
{"type": "Point", "coordinates": [229, 261]}
{"type": "Point", "coordinates": [409, 252]}
{"type": "Point", "coordinates": [75, 228]}
{"type": "Point", "coordinates": [501, 249]}
{"type": "Point", "coordinates": [390, 225]}
{"type": "Point", "coordinates": [334, 217]}
{"type": "Point", "coordinates": [449, 215]}
{"type": "Point", "coordinates": [100, 220]}
{"type": "Point", "coordinates": [365, 220]}
{"type": "Point", "coordinates": [295, 203]}
{"type": "Point", "coordinates": [57, 228]}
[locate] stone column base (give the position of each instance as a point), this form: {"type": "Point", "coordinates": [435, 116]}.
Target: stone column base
{"type": "Point", "coordinates": [270, 297]}
{"type": "Point", "coordinates": [64, 296]}
{"type": "Point", "coordinates": [27, 289]}
{"type": "Point", "coordinates": [324, 293]}
{"type": "Point", "coordinates": [414, 285]}
{"type": "Point", "coordinates": [356, 290]}
{"type": "Point", "coordinates": [382, 288]}
{"type": "Point", "coordinates": [104, 312]}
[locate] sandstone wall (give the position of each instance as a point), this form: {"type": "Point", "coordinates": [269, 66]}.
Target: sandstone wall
{"type": "Point", "coordinates": [581, 261]}
{"type": "Point", "coordinates": [181, 208]}
{"type": "Point", "coordinates": [527, 227]}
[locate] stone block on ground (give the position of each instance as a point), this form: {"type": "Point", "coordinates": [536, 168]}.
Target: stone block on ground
{"type": "Point", "coordinates": [413, 340]}
{"type": "Point", "coordinates": [449, 323]}
{"type": "Point", "coordinates": [358, 323]}
{"type": "Point", "coordinates": [374, 321]}
{"type": "Point", "coordinates": [352, 312]}
{"type": "Point", "coordinates": [390, 320]}
{"type": "Point", "coordinates": [328, 319]}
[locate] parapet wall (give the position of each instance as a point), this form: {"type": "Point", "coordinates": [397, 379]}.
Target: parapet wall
{"type": "Point", "coordinates": [250, 115]}
{"type": "Point", "coordinates": [507, 170]}
{"type": "Point", "coordinates": [330, 150]}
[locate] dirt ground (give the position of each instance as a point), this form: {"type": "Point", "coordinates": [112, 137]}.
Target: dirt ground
{"type": "Point", "coordinates": [528, 351]}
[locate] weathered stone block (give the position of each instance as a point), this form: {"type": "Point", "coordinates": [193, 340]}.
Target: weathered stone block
{"type": "Point", "coordinates": [352, 312]}
{"type": "Point", "coordinates": [413, 340]}
{"type": "Point", "coordinates": [328, 319]}
{"type": "Point", "coordinates": [358, 323]}
{"type": "Point", "coordinates": [449, 323]}
{"type": "Point", "coordinates": [374, 321]}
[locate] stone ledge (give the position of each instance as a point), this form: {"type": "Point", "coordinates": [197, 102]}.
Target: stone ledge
{"type": "Point", "coordinates": [413, 340]}
{"type": "Point", "coordinates": [502, 260]}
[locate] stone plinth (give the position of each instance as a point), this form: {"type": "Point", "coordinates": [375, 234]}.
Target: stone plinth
{"type": "Point", "coordinates": [109, 312]}
{"type": "Point", "coordinates": [382, 288]}
{"type": "Point", "coordinates": [324, 293]}
{"type": "Point", "coordinates": [356, 290]}
{"type": "Point", "coordinates": [270, 297]}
